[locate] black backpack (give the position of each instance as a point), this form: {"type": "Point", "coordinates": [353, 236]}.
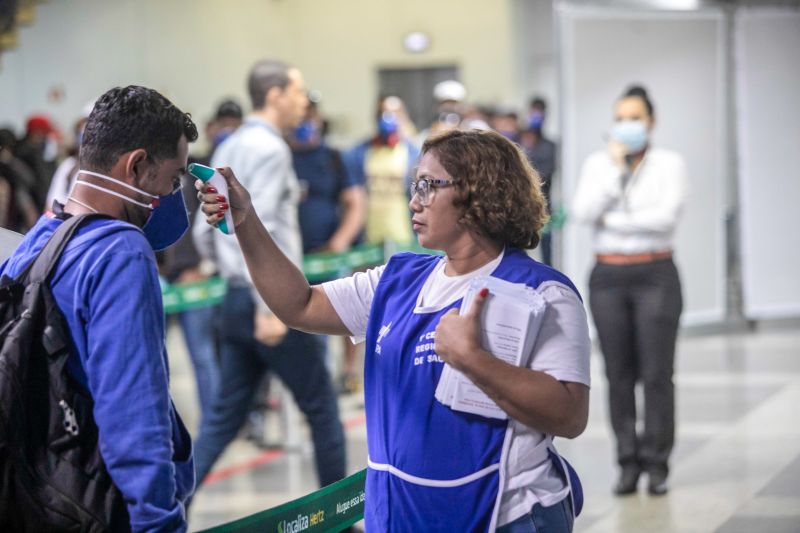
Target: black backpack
{"type": "Point", "coordinates": [52, 477]}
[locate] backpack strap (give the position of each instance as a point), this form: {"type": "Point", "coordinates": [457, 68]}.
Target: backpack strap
{"type": "Point", "coordinates": [42, 267]}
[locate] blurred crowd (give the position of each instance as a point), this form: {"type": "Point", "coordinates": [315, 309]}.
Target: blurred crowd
{"type": "Point", "coordinates": [38, 165]}
{"type": "Point", "coordinates": [348, 195]}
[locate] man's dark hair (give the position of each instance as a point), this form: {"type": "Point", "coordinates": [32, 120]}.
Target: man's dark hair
{"type": "Point", "coordinates": [129, 118]}
{"type": "Point", "coordinates": [265, 75]}
{"type": "Point", "coordinates": [7, 139]}
{"type": "Point", "coordinates": [539, 103]}
{"type": "Point", "coordinates": [229, 109]}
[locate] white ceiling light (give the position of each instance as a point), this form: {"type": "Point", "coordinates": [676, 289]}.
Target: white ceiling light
{"type": "Point", "coordinates": [416, 42]}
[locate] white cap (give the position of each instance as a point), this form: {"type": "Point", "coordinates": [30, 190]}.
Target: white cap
{"type": "Point", "coordinates": [449, 90]}
{"type": "Point", "coordinates": [475, 124]}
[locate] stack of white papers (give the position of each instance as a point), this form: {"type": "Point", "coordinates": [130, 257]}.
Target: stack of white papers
{"type": "Point", "coordinates": [510, 322]}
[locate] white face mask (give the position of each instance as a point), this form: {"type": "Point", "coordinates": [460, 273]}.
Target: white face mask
{"type": "Point", "coordinates": [50, 152]}
{"type": "Point", "coordinates": [168, 220]}
{"type": "Point", "coordinates": [152, 205]}
{"type": "Point", "coordinates": [632, 133]}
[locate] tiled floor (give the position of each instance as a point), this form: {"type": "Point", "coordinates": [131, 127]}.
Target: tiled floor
{"type": "Point", "coordinates": [736, 466]}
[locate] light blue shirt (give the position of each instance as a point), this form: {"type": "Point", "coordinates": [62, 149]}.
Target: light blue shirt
{"type": "Point", "coordinates": [262, 162]}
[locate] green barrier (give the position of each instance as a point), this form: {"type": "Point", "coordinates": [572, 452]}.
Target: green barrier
{"type": "Point", "coordinates": [329, 509]}
{"type": "Point", "coordinates": [325, 266]}
{"type": "Point", "coordinates": [184, 296]}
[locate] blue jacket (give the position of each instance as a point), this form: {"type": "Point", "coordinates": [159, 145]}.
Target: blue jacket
{"type": "Point", "coordinates": [106, 286]}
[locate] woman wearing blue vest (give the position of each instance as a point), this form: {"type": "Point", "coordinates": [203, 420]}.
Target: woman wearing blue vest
{"type": "Point", "coordinates": [476, 198]}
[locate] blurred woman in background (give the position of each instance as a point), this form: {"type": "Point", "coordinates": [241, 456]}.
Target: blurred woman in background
{"type": "Point", "coordinates": [632, 194]}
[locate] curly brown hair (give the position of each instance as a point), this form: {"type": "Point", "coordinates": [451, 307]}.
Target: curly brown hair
{"type": "Point", "coordinates": [498, 190]}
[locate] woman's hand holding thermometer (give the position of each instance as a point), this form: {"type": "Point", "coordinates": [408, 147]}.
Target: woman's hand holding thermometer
{"type": "Point", "coordinates": [224, 201]}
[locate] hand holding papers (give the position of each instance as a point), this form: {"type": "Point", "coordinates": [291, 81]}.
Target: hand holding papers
{"type": "Point", "coordinates": [510, 322]}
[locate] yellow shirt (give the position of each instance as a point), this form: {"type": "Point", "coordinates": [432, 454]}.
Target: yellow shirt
{"type": "Point", "coordinates": [388, 215]}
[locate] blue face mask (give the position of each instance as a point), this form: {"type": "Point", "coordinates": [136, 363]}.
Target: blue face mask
{"type": "Point", "coordinates": [305, 132]}
{"type": "Point", "coordinates": [168, 222]}
{"type": "Point", "coordinates": [388, 125]}
{"type": "Point", "coordinates": [535, 120]}
{"type": "Point", "coordinates": [168, 219]}
{"type": "Point", "coordinates": [631, 133]}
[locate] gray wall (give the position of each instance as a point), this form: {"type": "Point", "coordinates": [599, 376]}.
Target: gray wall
{"type": "Point", "coordinates": [198, 51]}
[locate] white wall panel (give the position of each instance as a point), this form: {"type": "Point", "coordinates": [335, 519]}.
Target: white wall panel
{"type": "Point", "coordinates": [768, 80]}
{"type": "Point", "coordinates": [679, 58]}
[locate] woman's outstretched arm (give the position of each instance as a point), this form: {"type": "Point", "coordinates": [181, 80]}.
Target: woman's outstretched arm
{"type": "Point", "coordinates": [280, 283]}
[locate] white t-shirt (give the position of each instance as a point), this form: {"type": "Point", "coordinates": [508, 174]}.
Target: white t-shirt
{"type": "Point", "coordinates": [561, 350]}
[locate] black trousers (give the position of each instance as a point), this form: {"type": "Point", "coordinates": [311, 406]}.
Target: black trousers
{"type": "Point", "coordinates": [636, 309]}
{"type": "Point", "coordinates": [298, 361]}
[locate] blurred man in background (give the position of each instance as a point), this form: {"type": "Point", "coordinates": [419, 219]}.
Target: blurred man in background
{"type": "Point", "coordinates": [385, 163]}
{"type": "Point", "coordinates": [541, 153]}
{"type": "Point", "coordinates": [333, 207]}
{"type": "Point", "coordinates": [253, 340]}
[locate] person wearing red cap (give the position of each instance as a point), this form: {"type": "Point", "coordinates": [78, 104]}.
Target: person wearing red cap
{"type": "Point", "coordinates": [39, 124]}
{"type": "Point", "coordinates": [39, 150]}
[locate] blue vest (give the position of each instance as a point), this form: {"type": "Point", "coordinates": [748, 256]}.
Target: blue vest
{"type": "Point", "coordinates": [430, 468]}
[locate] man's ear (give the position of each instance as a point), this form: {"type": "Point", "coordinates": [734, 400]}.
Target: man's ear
{"type": "Point", "coordinates": [272, 95]}
{"type": "Point", "coordinates": [136, 164]}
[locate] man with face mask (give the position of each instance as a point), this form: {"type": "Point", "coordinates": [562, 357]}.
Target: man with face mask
{"type": "Point", "coordinates": [385, 163]}
{"type": "Point", "coordinates": [132, 157]}
{"type": "Point", "coordinates": [333, 206]}
{"type": "Point", "coordinates": [253, 341]}
{"type": "Point", "coordinates": [541, 153]}
{"type": "Point", "coordinates": [332, 209]}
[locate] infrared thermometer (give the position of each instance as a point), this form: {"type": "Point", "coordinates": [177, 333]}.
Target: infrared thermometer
{"type": "Point", "coordinates": [215, 179]}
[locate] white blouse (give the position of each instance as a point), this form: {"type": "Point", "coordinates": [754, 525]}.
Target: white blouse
{"type": "Point", "coordinates": [636, 214]}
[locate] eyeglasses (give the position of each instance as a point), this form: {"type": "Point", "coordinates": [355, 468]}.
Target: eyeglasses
{"type": "Point", "coordinates": [423, 189]}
